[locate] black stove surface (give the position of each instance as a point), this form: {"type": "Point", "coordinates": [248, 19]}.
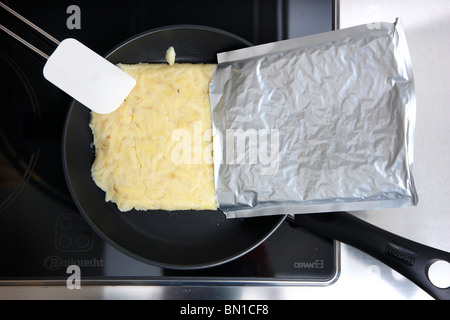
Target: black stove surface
{"type": "Point", "coordinates": [41, 231]}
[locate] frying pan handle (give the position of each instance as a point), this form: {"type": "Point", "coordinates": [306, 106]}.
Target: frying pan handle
{"type": "Point", "coordinates": [407, 257]}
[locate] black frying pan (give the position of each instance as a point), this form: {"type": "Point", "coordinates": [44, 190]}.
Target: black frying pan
{"type": "Point", "coordinates": [180, 239]}
{"type": "Point", "coordinates": [192, 239]}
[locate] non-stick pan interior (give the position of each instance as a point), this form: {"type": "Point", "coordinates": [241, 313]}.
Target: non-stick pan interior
{"type": "Point", "coordinates": [178, 239]}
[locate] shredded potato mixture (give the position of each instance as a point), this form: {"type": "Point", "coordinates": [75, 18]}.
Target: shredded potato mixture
{"type": "Point", "coordinates": [136, 161]}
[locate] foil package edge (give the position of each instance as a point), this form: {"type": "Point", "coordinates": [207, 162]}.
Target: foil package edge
{"type": "Point", "coordinates": [315, 124]}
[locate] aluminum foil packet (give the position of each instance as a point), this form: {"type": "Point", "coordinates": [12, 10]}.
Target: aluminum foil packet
{"type": "Point", "coordinates": [316, 124]}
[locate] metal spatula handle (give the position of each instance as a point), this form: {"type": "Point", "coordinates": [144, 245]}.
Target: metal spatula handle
{"type": "Point", "coordinates": [32, 25]}
{"type": "Point", "coordinates": [24, 42]}
{"type": "Point", "coordinates": [29, 23]}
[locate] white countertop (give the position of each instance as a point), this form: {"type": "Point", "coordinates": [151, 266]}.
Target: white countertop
{"type": "Point", "coordinates": [427, 26]}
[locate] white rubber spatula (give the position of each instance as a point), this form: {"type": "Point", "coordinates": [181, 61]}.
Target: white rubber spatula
{"type": "Point", "coordinates": [80, 72]}
{"type": "Point", "coordinates": [88, 77]}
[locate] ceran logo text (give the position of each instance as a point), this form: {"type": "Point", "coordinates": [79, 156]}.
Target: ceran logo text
{"type": "Point", "coordinates": [318, 264]}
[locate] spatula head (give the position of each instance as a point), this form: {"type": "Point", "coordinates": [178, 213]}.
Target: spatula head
{"type": "Point", "coordinates": [87, 77]}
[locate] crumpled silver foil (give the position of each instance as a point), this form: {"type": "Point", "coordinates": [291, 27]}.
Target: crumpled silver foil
{"type": "Point", "coordinates": [315, 124]}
